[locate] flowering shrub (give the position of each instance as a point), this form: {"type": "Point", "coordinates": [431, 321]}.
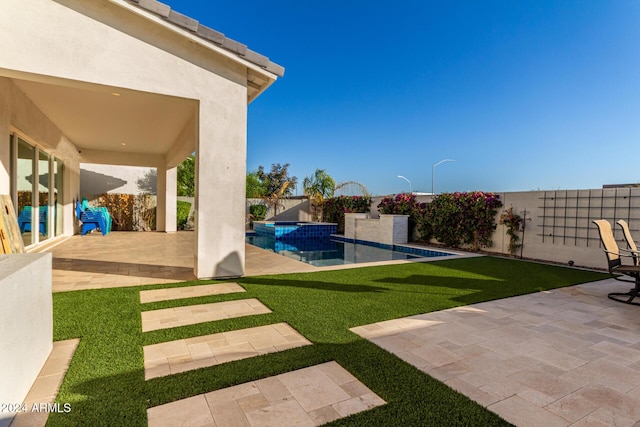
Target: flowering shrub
{"type": "Point", "coordinates": [512, 222]}
{"type": "Point", "coordinates": [457, 218]}
{"type": "Point", "coordinates": [333, 209]}
{"type": "Point", "coordinates": [403, 204]}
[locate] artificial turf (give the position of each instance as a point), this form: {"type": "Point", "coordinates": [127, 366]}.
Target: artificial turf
{"type": "Point", "coordinates": [105, 382]}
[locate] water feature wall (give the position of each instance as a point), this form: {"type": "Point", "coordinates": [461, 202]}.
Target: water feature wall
{"type": "Point", "coordinates": [388, 229]}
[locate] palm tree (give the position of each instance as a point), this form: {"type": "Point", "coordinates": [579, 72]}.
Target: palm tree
{"type": "Point", "coordinates": [318, 187]}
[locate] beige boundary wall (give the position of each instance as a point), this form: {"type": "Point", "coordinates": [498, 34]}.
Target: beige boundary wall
{"type": "Point", "coordinates": [559, 224]}
{"type": "Point", "coordinates": [292, 209]}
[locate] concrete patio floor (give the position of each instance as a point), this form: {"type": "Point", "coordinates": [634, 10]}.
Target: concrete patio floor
{"type": "Point", "coordinates": [567, 357]}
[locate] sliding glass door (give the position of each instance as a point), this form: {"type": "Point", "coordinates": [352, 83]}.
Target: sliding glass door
{"type": "Point", "coordinates": [36, 189]}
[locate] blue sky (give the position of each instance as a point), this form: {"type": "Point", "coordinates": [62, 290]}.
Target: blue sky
{"type": "Point", "coordinates": [523, 95]}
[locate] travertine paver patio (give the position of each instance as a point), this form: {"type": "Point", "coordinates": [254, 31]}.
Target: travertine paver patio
{"type": "Point", "coordinates": [45, 388]}
{"type": "Point", "coordinates": [199, 313]}
{"type": "Point", "coordinates": [557, 358]}
{"type": "Point", "coordinates": [198, 352]}
{"type": "Point", "coordinates": [124, 258]}
{"type": "Point", "coordinates": [307, 397]}
{"type": "Point", "coordinates": [168, 294]}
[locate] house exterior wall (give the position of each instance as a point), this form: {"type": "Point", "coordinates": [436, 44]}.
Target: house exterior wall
{"type": "Point", "coordinates": [99, 45]}
{"type": "Point", "coordinates": [19, 114]}
{"type": "Point", "coordinates": [111, 179]}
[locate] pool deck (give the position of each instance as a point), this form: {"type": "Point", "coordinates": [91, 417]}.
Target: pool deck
{"type": "Point", "coordinates": [94, 261]}
{"type": "Point", "coordinates": [566, 357]}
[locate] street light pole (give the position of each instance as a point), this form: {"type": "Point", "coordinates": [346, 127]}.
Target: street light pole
{"type": "Point", "coordinates": [433, 169]}
{"type": "Point", "coordinates": [406, 179]}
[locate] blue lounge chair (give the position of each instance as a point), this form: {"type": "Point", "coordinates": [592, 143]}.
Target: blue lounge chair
{"type": "Point", "coordinates": [93, 218]}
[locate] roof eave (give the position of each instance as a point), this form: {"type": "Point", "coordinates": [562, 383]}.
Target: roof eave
{"type": "Point", "coordinates": [257, 64]}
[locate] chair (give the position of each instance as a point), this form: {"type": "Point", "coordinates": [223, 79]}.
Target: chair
{"type": "Point", "coordinates": [93, 219]}
{"type": "Point", "coordinates": [614, 260]}
{"type": "Point", "coordinates": [633, 249]}
{"type": "Point", "coordinates": [24, 220]}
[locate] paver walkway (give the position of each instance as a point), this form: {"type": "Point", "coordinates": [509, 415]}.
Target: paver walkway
{"type": "Point", "coordinates": [557, 358]}
{"type": "Point", "coordinates": [192, 314]}
{"type": "Point", "coordinates": [306, 397]}
{"type": "Point", "coordinates": [167, 294]}
{"type": "Point", "coordinates": [198, 352]}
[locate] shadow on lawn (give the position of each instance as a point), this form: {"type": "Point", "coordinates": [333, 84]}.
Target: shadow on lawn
{"type": "Point", "coordinates": [413, 398]}
{"type": "Point", "coordinates": [311, 284]}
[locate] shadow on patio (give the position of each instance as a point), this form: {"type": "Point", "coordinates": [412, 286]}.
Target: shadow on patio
{"type": "Point", "coordinates": [122, 259]}
{"type": "Point", "coordinates": [132, 258]}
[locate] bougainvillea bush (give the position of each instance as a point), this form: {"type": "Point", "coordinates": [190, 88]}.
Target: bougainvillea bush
{"type": "Point", "coordinates": [403, 204]}
{"type": "Point", "coordinates": [460, 218]}
{"type": "Point", "coordinates": [333, 209]}
{"type": "Point", "coordinates": [512, 222]}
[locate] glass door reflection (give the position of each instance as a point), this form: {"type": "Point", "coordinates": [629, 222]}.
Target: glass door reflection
{"type": "Point", "coordinates": [43, 184]}
{"type": "Point", "coordinates": [25, 169]}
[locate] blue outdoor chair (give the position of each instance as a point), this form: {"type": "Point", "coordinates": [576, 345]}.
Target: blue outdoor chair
{"type": "Point", "coordinates": [24, 219]}
{"type": "Point", "coordinates": [93, 218]}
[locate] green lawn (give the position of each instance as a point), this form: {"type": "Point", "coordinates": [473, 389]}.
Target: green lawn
{"type": "Point", "coordinates": [105, 383]}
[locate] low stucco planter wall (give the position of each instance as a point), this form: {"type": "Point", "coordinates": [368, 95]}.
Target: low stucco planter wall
{"type": "Point", "coordinates": [26, 325]}
{"type": "Point", "coordinates": [388, 229]}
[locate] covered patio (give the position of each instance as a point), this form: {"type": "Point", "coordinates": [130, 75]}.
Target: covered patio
{"type": "Point", "coordinates": [143, 258]}
{"type": "Point", "coordinates": [129, 83]}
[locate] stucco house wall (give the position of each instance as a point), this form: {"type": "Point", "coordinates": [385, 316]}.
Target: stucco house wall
{"type": "Point", "coordinates": [110, 179]}
{"type": "Point", "coordinates": [19, 114]}
{"type": "Point", "coordinates": [107, 57]}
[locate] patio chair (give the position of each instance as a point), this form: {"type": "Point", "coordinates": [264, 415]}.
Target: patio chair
{"type": "Point", "coordinates": [616, 268]}
{"type": "Point", "coordinates": [633, 249]}
{"type": "Point", "coordinates": [24, 219]}
{"type": "Point", "coordinates": [93, 218]}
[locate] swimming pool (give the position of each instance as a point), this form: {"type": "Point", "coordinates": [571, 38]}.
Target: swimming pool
{"type": "Point", "coordinates": [338, 251]}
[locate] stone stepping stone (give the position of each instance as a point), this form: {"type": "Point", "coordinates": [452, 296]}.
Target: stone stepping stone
{"type": "Point", "coordinates": [306, 397]}
{"type": "Point", "coordinates": [198, 352]}
{"type": "Point", "coordinates": [192, 314]}
{"type": "Point", "coordinates": [189, 292]}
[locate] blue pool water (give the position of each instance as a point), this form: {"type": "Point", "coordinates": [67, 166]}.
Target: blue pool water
{"type": "Point", "coordinates": [335, 251]}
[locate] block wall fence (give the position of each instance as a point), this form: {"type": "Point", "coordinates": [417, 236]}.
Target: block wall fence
{"type": "Point", "coordinates": [558, 226]}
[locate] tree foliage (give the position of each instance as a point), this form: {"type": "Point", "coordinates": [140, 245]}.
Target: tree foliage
{"type": "Point", "coordinates": [255, 187]}
{"type": "Point", "coordinates": [276, 184]}
{"type": "Point", "coordinates": [318, 187]}
{"type": "Point", "coordinates": [319, 184]}
{"type": "Point", "coordinates": [186, 177]}
{"type": "Point", "coordinates": [277, 180]}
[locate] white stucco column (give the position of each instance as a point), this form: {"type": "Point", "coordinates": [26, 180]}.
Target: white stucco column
{"type": "Point", "coordinates": [220, 186]}
{"type": "Point", "coordinates": [166, 190]}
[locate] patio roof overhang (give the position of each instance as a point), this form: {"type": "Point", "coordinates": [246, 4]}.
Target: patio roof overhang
{"type": "Point", "coordinates": [136, 127]}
